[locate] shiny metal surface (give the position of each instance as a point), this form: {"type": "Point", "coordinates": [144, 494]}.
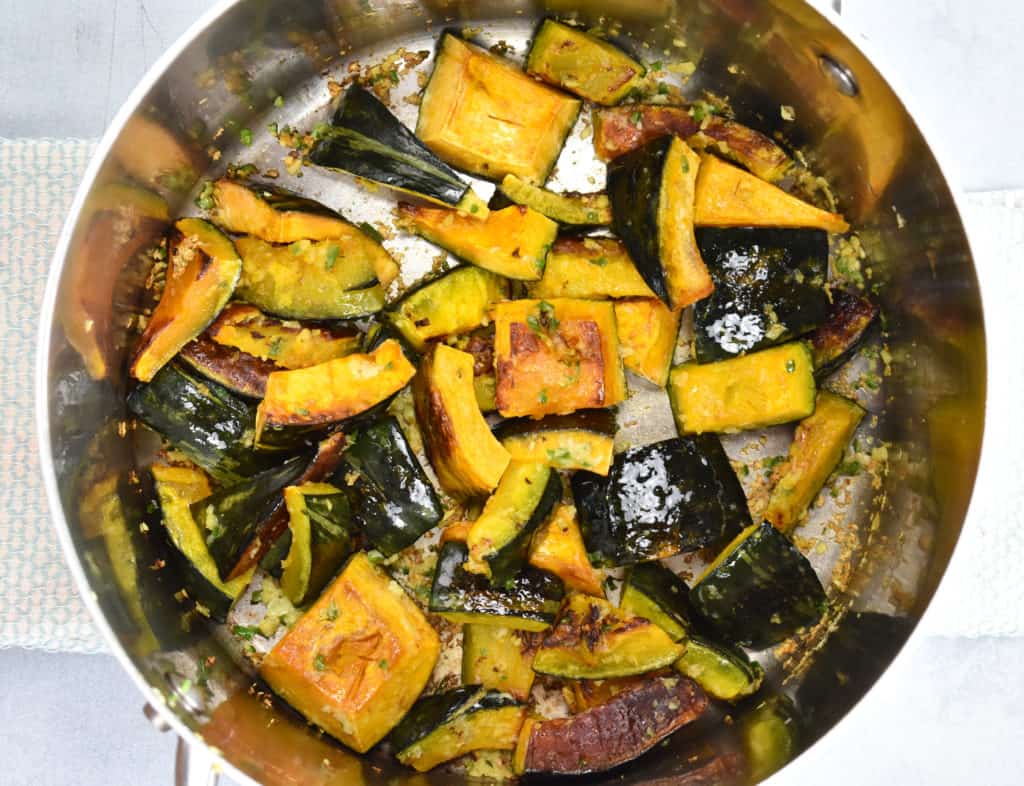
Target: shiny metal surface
{"type": "Point", "coordinates": [227, 72]}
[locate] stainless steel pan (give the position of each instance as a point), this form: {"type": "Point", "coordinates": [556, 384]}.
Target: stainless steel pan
{"type": "Point", "coordinates": [895, 537]}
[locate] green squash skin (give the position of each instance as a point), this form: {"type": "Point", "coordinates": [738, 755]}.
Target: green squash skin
{"type": "Point", "coordinates": [669, 593]}
{"type": "Point", "coordinates": [392, 500]}
{"type": "Point", "coordinates": [661, 499]}
{"type": "Point", "coordinates": [770, 279]}
{"type": "Point", "coordinates": [368, 141]}
{"type": "Point", "coordinates": [506, 564]}
{"type": "Point", "coordinates": [430, 713]}
{"type": "Point", "coordinates": [850, 320]}
{"type": "Point", "coordinates": [333, 537]}
{"type": "Point", "coordinates": [725, 673]}
{"type": "Point", "coordinates": [203, 420]}
{"type": "Point", "coordinates": [534, 595]}
{"type": "Point", "coordinates": [233, 516]}
{"type": "Point", "coordinates": [634, 189]}
{"type": "Point", "coordinates": [761, 593]}
{"type": "Point", "coordinates": [770, 734]}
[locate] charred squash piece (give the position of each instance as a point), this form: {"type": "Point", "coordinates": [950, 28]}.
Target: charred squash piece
{"type": "Point", "coordinates": [558, 548]}
{"type": "Point", "coordinates": [487, 117]}
{"type": "Point", "coordinates": [177, 488]}
{"type": "Point", "coordinates": [569, 208]}
{"type": "Point", "coordinates": [727, 196]}
{"type": "Point", "coordinates": [648, 330]}
{"type": "Point", "coordinates": [582, 64]}
{"type": "Point", "coordinates": [499, 658]}
{"type": "Point", "coordinates": [622, 129]}
{"type": "Point", "coordinates": [467, 458]}
{"type": "Point", "coordinates": [753, 391]}
{"type": "Point", "coordinates": [583, 695]}
{"type": "Point", "coordinates": [591, 268]}
{"type": "Point", "coordinates": [512, 242]}
{"type": "Point", "coordinates": [593, 640]}
{"type": "Point", "coordinates": [289, 345]}
{"type": "Point", "coordinates": [201, 276]}
{"type": "Point", "coordinates": [849, 318]}
{"type": "Point", "coordinates": [530, 602]}
{"type": "Point", "coordinates": [652, 196]}
{"type": "Point", "coordinates": [335, 390]}
{"type": "Point", "coordinates": [760, 590]}
{"type": "Point", "coordinates": [322, 536]}
{"type": "Point", "coordinates": [499, 540]}
{"type": "Point", "coordinates": [447, 725]}
{"type": "Point", "coordinates": [582, 440]}
{"type": "Point", "coordinates": [611, 734]}
{"type": "Point", "coordinates": [239, 372]}
{"type": "Point", "coordinates": [816, 450]}
{"type": "Point", "coordinates": [555, 357]}
{"type": "Point", "coordinates": [457, 302]}
{"type": "Point", "coordinates": [355, 663]}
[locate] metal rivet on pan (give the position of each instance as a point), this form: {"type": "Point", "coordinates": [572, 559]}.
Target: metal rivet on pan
{"type": "Point", "coordinates": [841, 76]}
{"type": "Point", "coordinates": [155, 718]}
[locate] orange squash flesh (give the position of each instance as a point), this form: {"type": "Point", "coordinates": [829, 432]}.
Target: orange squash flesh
{"type": "Point", "coordinates": [647, 337]}
{"type": "Point", "coordinates": [558, 547]}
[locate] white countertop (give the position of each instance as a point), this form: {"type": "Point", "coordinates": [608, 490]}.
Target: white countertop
{"type": "Point", "coordinates": [951, 711]}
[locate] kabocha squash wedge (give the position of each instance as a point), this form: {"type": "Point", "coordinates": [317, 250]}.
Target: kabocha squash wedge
{"type": "Point", "coordinates": [849, 319]}
{"type": "Point", "coordinates": [485, 116]}
{"type": "Point", "coordinates": [770, 734]}
{"type": "Point", "coordinates": [323, 279]}
{"type": "Point", "coordinates": [467, 458]}
{"type": "Point", "coordinates": [591, 268]}
{"type": "Point", "coordinates": [289, 345]}
{"type": "Point", "coordinates": [652, 196]}
{"type": "Point", "coordinates": [239, 372]}
{"type": "Point", "coordinates": [457, 302]}
{"type": "Point", "coordinates": [367, 141]}
{"type": "Point", "coordinates": [447, 725]}
{"type": "Point", "coordinates": [499, 540]}
{"type": "Point", "coordinates": [583, 695]}
{"type": "Point", "coordinates": [759, 591]}
{"type": "Point", "coordinates": [177, 488]}
{"type": "Point", "coordinates": [613, 733]}
{"type": "Point", "coordinates": [648, 330]}
{"type": "Point", "coordinates": [761, 389]}
{"type": "Point", "coordinates": [582, 64]}
{"type": "Point", "coordinates": [582, 440]}
{"type": "Point", "coordinates": [322, 536]}
{"type": "Point", "coordinates": [530, 602]}
{"type": "Point", "coordinates": [593, 640]}
{"type": "Point", "coordinates": [654, 592]}
{"type": "Point", "coordinates": [499, 658]}
{"type": "Point", "coordinates": [727, 196]}
{"type": "Point", "coordinates": [201, 276]}
{"type": "Point", "coordinates": [335, 390]}
{"type": "Point", "coordinates": [725, 673]}
{"type": "Point", "coordinates": [355, 663]}
{"type": "Point", "coordinates": [558, 548]}
{"type": "Point", "coordinates": [555, 357]}
{"type": "Point", "coordinates": [512, 242]}
{"type": "Point", "coordinates": [816, 450]}
{"type": "Point", "coordinates": [619, 130]}
{"type": "Point", "coordinates": [769, 289]}
{"type": "Point", "coordinates": [568, 208]}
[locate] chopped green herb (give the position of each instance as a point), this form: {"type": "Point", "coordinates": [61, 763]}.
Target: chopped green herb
{"type": "Point", "coordinates": [302, 411]}
{"type": "Point", "coordinates": [205, 201]}
{"type": "Point", "coordinates": [319, 663]}
{"type": "Point", "coordinates": [257, 596]}
{"type": "Point", "coordinates": [245, 631]}
{"type": "Point", "coordinates": [371, 230]}
{"type": "Point", "coordinates": [320, 130]}
{"type": "Point", "coordinates": [383, 663]}
{"type": "Point", "coordinates": [272, 128]}
{"type": "Point", "coordinates": [473, 208]}
{"type": "Point", "coordinates": [850, 468]}
{"type": "Point", "coordinates": [332, 256]}
{"type": "Point", "coordinates": [245, 135]}
{"type": "Point", "coordinates": [600, 261]}
{"type": "Point", "coordinates": [275, 347]}
{"type": "Point", "coordinates": [772, 461]}
{"type": "Point", "coordinates": [279, 102]}
{"type": "Point", "coordinates": [636, 117]}
{"type": "Point", "coordinates": [790, 366]}
{"type": "Point", "coordinates": [330, 614]}
{"type": "Point", "coordinates": [697, 112]}
{"type": "Point", "coordinates": [662, 89]}
{"type": "Point", "coordinates": [559, 455]}
{"type": "Point", "coordinates": [686, 165]}
{"type": "Point", "coordinates": [591, 215]}
{"type": "Point", "coordinates": [542, 397]}
{"type": "Point", "coordinates": [657, 65]}
{"type": "Point", "coordinates": [186, 685]}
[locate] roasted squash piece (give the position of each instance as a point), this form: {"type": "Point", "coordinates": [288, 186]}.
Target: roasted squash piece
{"type": "Point", "coordinates": [603, 737]}
{"type": "Point", "coordinates": [593, 640]}
{"type": "Point", "coordinates": [849, 318]}
{"type": "Point", "coordinates": [647, 337]}
{"type": "Point", "coordinates": [499, 658]}
{"type": "Point", "coordinates": [760, 389]}
{"type": "Point", "coordinates": [582, 440]}
{"type": "Point", "coordinates": [237, 371]}
{"type": "Point", "coordinates": [558, 547]}
{"type": "Point", "coordinates": [322, 536]}
{"type": "Point", "coordinates": [816, 450]}
{"type": "Point", "coordinates": [512, 242]}
{"type": "Point", "coordinates": [589, 267]}
{"type": "Point", "coordinates": [358, 659]}
{"type": "Point", "coordinates": [335, 390]}
{"type": "Point", "coordinates": [201, 277]}
{"type": "Point", "coordinates": [289, 345]}
{"type": "Point", "coordinates": [727, 196]}
{"type": "Point", "coordinates": [619, 130]}
{"type": "Point", "coordinates": [654, 592]}
{"type": "Point", "coordinates": [444, 726]}
{"type": "Point", "coordinates": [583, 695]}
{"type": "Point", "coordinates": [455, 303]}
{"type": "Point", "coordinates": [725, 673]}
{"type": "Point", "coordinates": [566, 208]}
{"type": "Point", "coordinates": [557, 356]}
{"type": "Point", "coordinates": [770, 734]}
{"type": "Point", "coordinates": [652, 195]}
{"type": "Point", "coordinates": [467, 458]}
{"type": "Point", "coordinates": [582, 64]}
{"type": "Point", "coordinates": [487, 117]}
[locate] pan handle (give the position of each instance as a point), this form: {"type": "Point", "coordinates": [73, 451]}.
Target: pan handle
{"type": "Point", "coordinates": [194, 767]}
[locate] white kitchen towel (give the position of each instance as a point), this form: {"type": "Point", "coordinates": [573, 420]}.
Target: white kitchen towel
{"type": "Point", "coordinates": [983, 594]}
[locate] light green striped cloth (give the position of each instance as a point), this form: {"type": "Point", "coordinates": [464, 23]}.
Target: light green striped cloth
{"type": "Point", "coordinates": [39, 604]}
